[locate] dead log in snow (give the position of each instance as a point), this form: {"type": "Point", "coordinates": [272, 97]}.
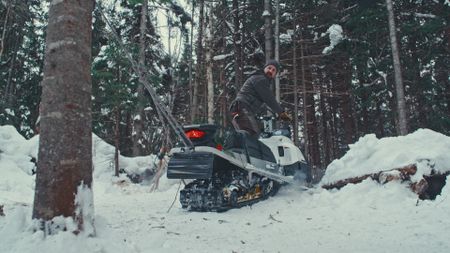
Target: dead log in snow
{"type": "Point", "coordinates": [386, 176]}
{"type": "Point", "coordinates": [426, 188]}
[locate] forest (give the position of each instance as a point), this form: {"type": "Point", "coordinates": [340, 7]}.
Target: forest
{"type": "Point", "coordinates": [339, 79]}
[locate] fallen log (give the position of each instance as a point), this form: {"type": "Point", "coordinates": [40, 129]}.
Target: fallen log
{"type": "Point", "coordinates": [427, 188]}
{"type": "Point", "coordinates": [386, 176]}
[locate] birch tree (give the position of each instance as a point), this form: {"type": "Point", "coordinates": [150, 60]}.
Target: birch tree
{"type": "Point", "coordinates": [402, 124]}
{"type": "Point", "coordinates": [64, 173]}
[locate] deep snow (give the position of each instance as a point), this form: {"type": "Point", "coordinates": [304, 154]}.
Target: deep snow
{"type": "Point", "coordinates": [366, 217]}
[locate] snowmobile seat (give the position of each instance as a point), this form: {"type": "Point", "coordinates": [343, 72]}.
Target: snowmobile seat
{"type": "Point", "coordinates": [241, 141]}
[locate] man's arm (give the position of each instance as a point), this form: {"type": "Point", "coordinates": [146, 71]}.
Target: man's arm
{"type": "Point", "coordinates": [262, 87]}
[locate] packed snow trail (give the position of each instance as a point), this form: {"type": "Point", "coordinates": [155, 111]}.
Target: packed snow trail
{"type": "Point", "coordinates": [367, 217]}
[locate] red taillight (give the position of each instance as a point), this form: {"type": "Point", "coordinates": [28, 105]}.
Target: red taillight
{"type": "Point", "coordinates": [195, 134]}
{"type": "Point", "coordinates": [219, 147]}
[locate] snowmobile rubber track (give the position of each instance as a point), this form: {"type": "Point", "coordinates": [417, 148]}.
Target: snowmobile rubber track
{"type": "Point", "coordinates": [207, 200]}
{"type": "Point", "coordinates": [222, 182]}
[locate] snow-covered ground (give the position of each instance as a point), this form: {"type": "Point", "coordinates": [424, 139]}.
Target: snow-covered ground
{"type": "Point", "coordinates": [366, 217]}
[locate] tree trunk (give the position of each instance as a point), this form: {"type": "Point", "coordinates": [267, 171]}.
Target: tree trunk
{"type": "Point", "coordinates": [268, 29]}
{"type": "Point", "coordinates": [237, 45]}
{"type": "Point", "coordinates": [417, 89]}
{"type": "Point", "coordinates": [127, 143]}
{"type": "Point", "coordinates": [64, 173]}
{"type": "Point", "coordinates": [9, 91]}
{"type": "Point", "coordinates": [209, 63]}
{"type": "Point", "coordinates": [116, 142]}
{"type": "Point", "coordinates": [442, 79]}
{"type": "Point", "coordinates": [138, 121]}
{"type": "Point", "coordinates": [379, 116]}
{"type": "Point", "coordinates": [327, 151]}
{"type": "Point", "coordinates": [191, 84]}
{"type": "Point", "coordinates": [304, 89]}
{"type": "Point", "coordinates": [277, 47]}
{"type": "Point", "coordinates": [312, 135]}
{"type": "Point", "coordinates": [294, 70]}
{"type": "Point", "coordinates": [195, 112]}
{"type": "Point", "coordinates": [363, 122]}
{"type": "Point", "coordinates": [5, 24]}
{"type": "Point", "coordinates": [343, 82]}
{"type": "Point", "coordinates": [402, 123]}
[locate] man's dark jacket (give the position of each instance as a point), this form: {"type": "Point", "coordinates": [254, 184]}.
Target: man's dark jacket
{"type": "Point", "coordinates": [256, 91]}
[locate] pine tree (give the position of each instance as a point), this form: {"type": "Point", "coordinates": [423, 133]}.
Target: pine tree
{"type": "Point", "coordinates": [64, 173]}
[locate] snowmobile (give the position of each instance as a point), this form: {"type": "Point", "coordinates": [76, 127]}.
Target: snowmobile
{"type": "Point", "coordinates": [243, 171]}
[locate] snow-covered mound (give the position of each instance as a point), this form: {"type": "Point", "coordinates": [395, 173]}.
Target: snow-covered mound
{"type": "Point", "coordinates": [428, 149]}
{"type": "Point", "coordinates": [103, 155]}
{"type": "Point", "coordinates": [16, 152]}
{"type": "Point", "coordinates": [16, 166]}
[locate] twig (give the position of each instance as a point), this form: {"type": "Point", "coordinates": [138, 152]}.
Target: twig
{"type": "Point", "coordinates": [176, 196]}
{"type": "Point", "coordinates": [272, 218]}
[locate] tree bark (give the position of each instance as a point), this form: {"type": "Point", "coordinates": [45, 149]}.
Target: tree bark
{"type": "Point", "coordinates": [268, 29]}
{"type": "Point", "coordinates": [64, 173]}
{"type": "Point", "coordinates": [363, 122]}
{"type": "Point", "coordinates": [2, 41]}
{"type": "Point", "coordinates": [442, 79]}
{"type": "Point", "coordinates": [191, 84]}
{"type": "Point", "coordinates": [209, 63]}
{"type": "Point", "coordinates": [195, 112]}
{"type": "Point", "coordinates": [277, 47]}
{"type": "Point", "coordinates": [419, 98]}
{"type": "Point", "coordinates": [304, 89]}
{"type": "Point", "coordinates": [116, 141]}
{"type": "Point", "coordinates": [295, 76]}
{"type": "Point", "coordinates": [343, 82]}
{"type": "Point", "coordinates": [237, 45]}
{"type": "Point", "coordinates": [138, 121]}
{"type": "Point", "coordinates": [312, 135]}
{"type": "Point", "coordinates": [402, 123]}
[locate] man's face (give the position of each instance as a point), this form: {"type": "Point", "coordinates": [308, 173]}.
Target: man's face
{"type": "Point", "coordinates": [270, 71]}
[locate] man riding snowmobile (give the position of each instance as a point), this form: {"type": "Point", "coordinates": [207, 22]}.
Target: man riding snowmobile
{"type": "Point", "coordinates": [253, 95]}
{"type": "Point", "coordinates": [246, 169]}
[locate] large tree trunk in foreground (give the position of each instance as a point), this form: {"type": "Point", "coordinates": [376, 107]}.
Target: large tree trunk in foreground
{"type": "Point", "coordinates": [64, 174]}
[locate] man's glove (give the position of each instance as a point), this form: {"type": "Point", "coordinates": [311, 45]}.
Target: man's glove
{"type": "Point", "coordinates": [285, 116]}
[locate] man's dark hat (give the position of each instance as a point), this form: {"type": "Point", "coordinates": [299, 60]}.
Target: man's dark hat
{"type": "Point", "coordinates": [274, 63]}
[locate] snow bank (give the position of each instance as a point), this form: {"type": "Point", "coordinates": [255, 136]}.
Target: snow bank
{"type": "Point", "coordinates": [16, 167]}
{"type": "Point", "coordinates": [16, 184]}
{"type": "Point", "coordinates": [426, 148]}
{"type": "Point", "coordinates": [15, 148]}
